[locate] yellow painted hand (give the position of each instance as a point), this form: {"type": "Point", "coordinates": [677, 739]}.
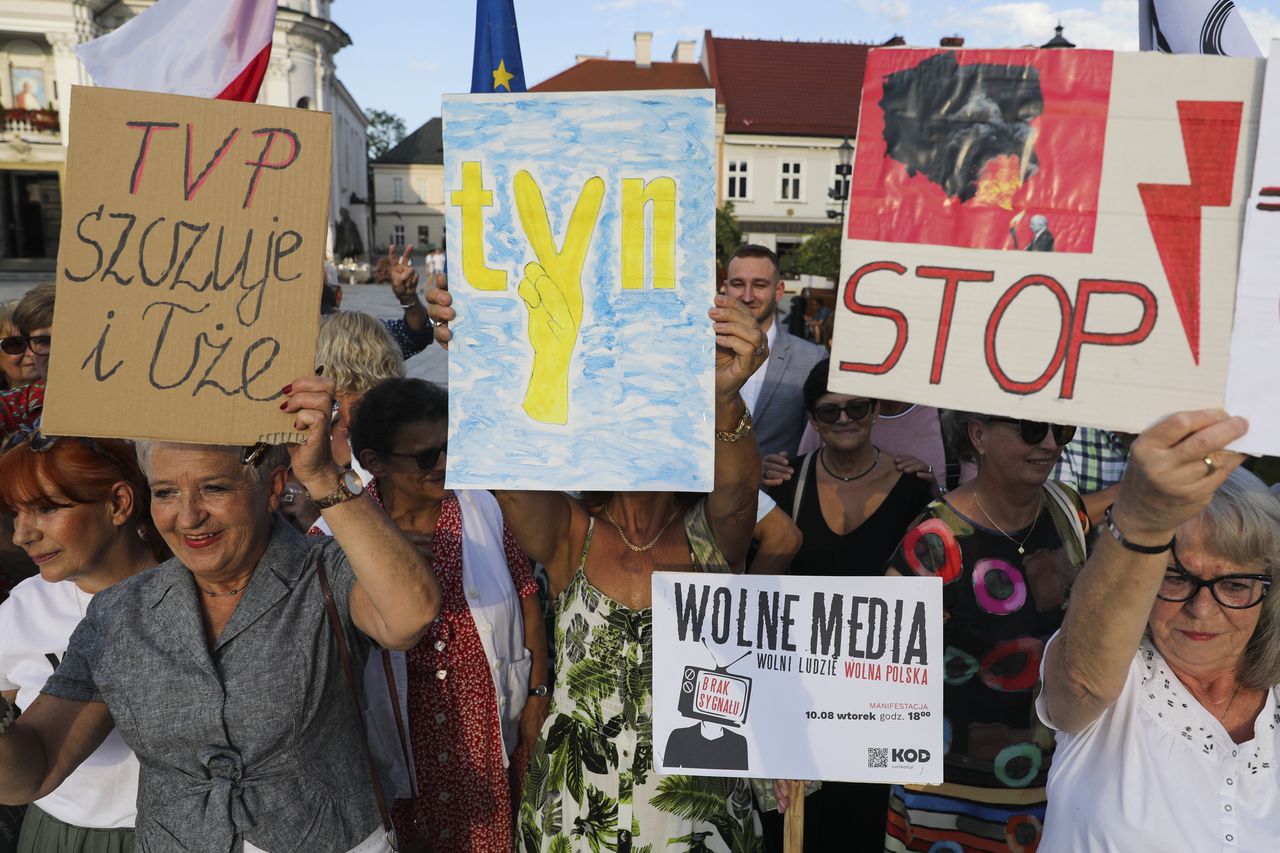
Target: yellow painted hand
{"type": "Point", "coordinates": [552, 292]}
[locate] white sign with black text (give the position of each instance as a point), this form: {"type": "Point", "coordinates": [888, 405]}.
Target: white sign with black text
{"type": "Point", "coordinates": [798, 677]}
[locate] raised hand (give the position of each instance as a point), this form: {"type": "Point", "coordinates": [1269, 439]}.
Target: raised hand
{"type": "Point", "coordinates": [552, 292]}
{"type": "Point", "coordinates": [740, 345]}
{"type": "Point", "coordinates": [404, 278]}
{"type": "Point", "coordinates": [440, 309]}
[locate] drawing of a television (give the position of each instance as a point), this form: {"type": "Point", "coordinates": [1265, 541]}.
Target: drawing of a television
{"type": "Point", "coordinates": [714, 695]}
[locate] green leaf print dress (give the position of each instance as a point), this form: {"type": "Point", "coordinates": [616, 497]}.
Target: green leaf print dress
{"type": "Point", "coordinates": [591, 785]}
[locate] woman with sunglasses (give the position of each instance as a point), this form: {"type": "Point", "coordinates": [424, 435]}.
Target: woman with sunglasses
{"type": "Point", "coordinates": [17, 364]}
{"type": "Point", "coordinates": [1007, 546]}
{"type": "Point", "coordinates": [852, 504]}
{"type": "Point", "coordinates": [81, 512]}
{"type": "Point", "coordinates": [30, 341]}
{"type": "Point", "coordinates": [1162, 683]}
{"type": "Point", "coordinates": [477, 680]}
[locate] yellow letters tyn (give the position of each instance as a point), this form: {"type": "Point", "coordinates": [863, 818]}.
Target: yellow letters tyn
{"type": "Point", "coordinates": [635, 195]}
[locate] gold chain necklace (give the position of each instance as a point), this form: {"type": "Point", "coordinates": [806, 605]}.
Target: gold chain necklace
{"type": "Point", "coordinates": [639, 548]}
{"type": "Point", "coordinates": [1021, 545]}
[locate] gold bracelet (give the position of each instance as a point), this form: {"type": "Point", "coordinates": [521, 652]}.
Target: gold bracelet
{"type": "Point", "coordinates": [737, 433]}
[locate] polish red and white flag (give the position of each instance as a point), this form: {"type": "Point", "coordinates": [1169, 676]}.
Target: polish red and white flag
{"type": "Point", "coordinates": [206, 48]}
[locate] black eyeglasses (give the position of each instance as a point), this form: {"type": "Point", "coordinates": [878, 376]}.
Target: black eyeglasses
{"type": "Point", "coordinates": [428, 458]}
{"type": "Point", "coordinates": [1237, 592]}
{"type": "Point", "coordinates": [17, 344]}
{"type": "Point", "coordinates": [1033, 432]}
{"type": "Point", "coordinates": [829, 413]}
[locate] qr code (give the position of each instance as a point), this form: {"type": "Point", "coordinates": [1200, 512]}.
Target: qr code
{"type": "Point", "coordinates": [878, 756]}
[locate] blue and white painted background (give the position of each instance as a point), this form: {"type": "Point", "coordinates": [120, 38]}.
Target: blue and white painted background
{"type": "Point", "coordinates": [641, 379]}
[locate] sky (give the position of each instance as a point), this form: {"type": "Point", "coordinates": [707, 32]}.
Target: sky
{"type": "Point", "coordinates": [408, 54]}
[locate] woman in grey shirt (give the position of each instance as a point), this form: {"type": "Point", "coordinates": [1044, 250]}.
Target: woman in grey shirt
{"type": "Point", "coordinates": [219, 667]}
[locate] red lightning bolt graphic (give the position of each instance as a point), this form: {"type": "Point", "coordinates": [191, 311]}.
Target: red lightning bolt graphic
{"type": "Point", "coordinates": [1210, 134]}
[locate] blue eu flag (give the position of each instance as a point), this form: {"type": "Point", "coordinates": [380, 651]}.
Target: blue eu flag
{"type": "Point", "coordinates": [497, 66]}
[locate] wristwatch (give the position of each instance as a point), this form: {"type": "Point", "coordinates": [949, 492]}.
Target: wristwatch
{"type": "Point", "coordinates": [540, 690]}
{"type": "Point", "coordinates": [349, 486]}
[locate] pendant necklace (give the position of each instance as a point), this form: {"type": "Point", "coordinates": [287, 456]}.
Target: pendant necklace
{"type": "Point", "coordinates": [1021, 544]}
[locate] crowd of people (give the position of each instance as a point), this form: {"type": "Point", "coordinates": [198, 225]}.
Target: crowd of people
{"type": "Point", "coordinates": [317, 647]}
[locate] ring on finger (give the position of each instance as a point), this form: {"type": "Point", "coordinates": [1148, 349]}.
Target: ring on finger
{"type": "Point", "coordinates": [1208, 461]}
{"type": "Point", "coordinates": [762, 351]}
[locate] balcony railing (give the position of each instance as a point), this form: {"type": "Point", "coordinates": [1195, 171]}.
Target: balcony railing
{"type": "Point", "coordinates": [30, 121]}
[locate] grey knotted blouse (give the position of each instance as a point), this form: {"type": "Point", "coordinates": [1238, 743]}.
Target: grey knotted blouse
{"type": "Point", "coordinates": [255, 740]}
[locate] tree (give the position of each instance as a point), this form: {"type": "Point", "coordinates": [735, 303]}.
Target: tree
{"type": "Point", "coordinates": [728, 234]}
{"type": "Point", "coordinates": [819, 255]}
{"type": "Point", "coordinates": [385, 132]}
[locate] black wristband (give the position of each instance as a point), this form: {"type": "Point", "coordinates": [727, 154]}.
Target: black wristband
{"type": "Point", "coordinates": [1132, 546]}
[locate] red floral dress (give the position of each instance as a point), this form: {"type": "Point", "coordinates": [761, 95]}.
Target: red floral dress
{"type": "Point", "coordinates": [466, 794]}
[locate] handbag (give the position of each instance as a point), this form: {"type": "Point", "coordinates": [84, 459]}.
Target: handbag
{"type": "Point", "coordinates": [335, 623]}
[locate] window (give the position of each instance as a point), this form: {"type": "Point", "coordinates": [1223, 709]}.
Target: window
{"type": "Point", "coordinates": [397, 235]}
{"type": "Point", "coordinates": [790, 181]}
{"type": "Point", "coordinates": [422, 190]}
{"type": "Point", "coordinates": [738, 179]}
{"type": "Point", "coordinates": [397, 190]}
{"type": "Point", "coordinates": [424, 235]}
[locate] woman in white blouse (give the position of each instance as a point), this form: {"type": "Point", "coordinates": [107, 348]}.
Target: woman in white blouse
{"type": "Point", "coordinates": [1162, 681]}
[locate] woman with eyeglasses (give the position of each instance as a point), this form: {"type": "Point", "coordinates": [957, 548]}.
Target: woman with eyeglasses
{"type": "Point", "coordinates": [1162, 683]}
{"type": "Point", "coordinates": [852, 504]}
{"type": "Point", "coordinates": [81, 510]}
{"type": "Point", "coordinates": [477, 680]}
{"type": "Point", "coordinates": [1007, 546]}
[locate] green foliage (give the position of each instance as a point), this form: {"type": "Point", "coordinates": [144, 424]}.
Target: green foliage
{"type": "Point", "coordinates": [728, 234]}
{"type": "Point", "coordinates": [385, 132]}
{"type": "Point", "coordinates": [690, 797]}
{"type": "Point", "coordinates": [819, 255]}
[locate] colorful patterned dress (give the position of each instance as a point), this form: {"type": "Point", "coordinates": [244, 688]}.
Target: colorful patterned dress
{"type": "Point", "coordinates": [591, 785]}
{"type": "Point", "coordinates": [1001, 607]}
{"type": "Point", "coordinates": [465, 791]}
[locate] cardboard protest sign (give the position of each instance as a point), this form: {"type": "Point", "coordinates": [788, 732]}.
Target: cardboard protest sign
{"type": "Point", "coordinates": [581, 251]}
{"type": "Point", "coordinates": [798, 677]}
{"type": "Point", "coordinates": [1255, 338]}
{"type": "Point", "coordinates": [190, 267]}
{"type": "Point", "coordinates": [1046, 234]}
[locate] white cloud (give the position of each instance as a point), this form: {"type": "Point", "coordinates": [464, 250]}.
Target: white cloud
{"type": "Point", "coordinates": [1263, 24]}
{"type": "Point", "coordinates": [1111, 25]}
{"type": "Point", "coordinates": [894, 10]}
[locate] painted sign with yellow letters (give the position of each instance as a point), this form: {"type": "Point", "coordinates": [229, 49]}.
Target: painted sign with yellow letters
{"type": "Point", "coordinates": [581, 252]}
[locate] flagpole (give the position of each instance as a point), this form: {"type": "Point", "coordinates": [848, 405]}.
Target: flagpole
{"type": "Point", "coordinates": [1144, 25]}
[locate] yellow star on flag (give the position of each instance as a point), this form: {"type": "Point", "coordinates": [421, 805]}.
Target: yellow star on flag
{"type": "Point", "coordinates": [502, 77]}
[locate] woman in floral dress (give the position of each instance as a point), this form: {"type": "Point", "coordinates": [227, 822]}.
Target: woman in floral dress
{"type": "Point", "coordinates": [591, 784]}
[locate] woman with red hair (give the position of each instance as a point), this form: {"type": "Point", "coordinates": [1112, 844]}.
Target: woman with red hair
{"type": "Point", "coordinates": [81, 509]}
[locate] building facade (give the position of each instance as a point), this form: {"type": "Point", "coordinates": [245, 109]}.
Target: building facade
{"type": "Point", "coordinates": [408, 188]}
{"type": "Point", "coordinates": [38, 67]}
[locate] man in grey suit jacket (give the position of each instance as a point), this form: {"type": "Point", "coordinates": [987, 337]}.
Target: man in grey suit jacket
{"type": "Point", "coordinates": [774, 395]}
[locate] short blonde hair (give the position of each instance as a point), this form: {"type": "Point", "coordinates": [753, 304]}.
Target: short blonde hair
{"type": "Point", "coordinates": [35, 309]}
{"type": "Point", "coordinates": [357, 351]}
{"type": "Point", "coordinates": [7, 326]}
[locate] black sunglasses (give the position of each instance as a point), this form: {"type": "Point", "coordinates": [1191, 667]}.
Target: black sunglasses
{"type": "Point", "coordinates": [829, 413]}
{"type": "Point", "coordinates": [17, 344]}
{"type": "Point", "coordinates": [1033, 432]}
{"type": "Point", "coordinates": [1237, 592]}
{"type": "Point", "coordinates": [428, 458]}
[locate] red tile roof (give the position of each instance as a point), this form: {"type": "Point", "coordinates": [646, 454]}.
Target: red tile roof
{"type": "Point", "coordinates": [617, 75]}
{"type": "Point", "coordinates": [787, 87]}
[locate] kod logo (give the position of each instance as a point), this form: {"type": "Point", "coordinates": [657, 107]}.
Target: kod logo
{"type": "Point", "coordinates": [909, 755]}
